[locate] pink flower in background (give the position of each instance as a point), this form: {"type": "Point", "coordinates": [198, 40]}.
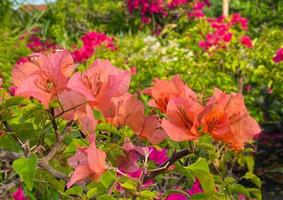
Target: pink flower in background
{"type": "Point", "coordinates": [241, 197]}
{"type": "Point", "coordinates": [12, 90]}
{"type": "Point", "coordinates": [133, 70]}
{"type": "Point", "coordinates": [22, 60]}
{"type": "Point", "coordinates": [246, 41]}
{"type": "Point", "coordinates": [221, 34]}
{"type": "Point", "coordinates": [279, 56]}
{"type": "Point", "coordinates": [248, 88]}
{"type": "Point", "coordinates": [176, 196]}
{"type": "Point", "coordinates": [176, 3]}
{"type": "Point", "coordinates": [1, 82]}
{"type": "Point", "coordinates": [159, 156]}
{"type": "Point", "coordinates": [269, 90]}
{"type": "Point", "coordinates": [19, 194]}
{"type": "Point", "coordinates": [91, 41]}
{"type": "Point", "coordinates": [196, 188]}
{"type": "Point", "coordinates": [236, 18]}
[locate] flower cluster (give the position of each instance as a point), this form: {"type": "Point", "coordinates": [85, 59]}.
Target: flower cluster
{"type": "Point", "coordinates": [148, 8]}
{"type": "Point", "coordinates": [91, 41]}
{"type": "Point", "coordinates": [279, 56]}
{"type": "Point", "coordinates": [35, 43]}
{"type": "Point", "coordinates": [50, 77]}
{"type": "Point", "coordinates": [224, 116]}
{"type": "Point", "coordinates": [197, 9]}
{"type": "Point", "coordinates": [221, 34]}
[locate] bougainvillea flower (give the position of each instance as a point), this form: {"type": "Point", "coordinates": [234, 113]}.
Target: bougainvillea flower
{"type": "Point", "coordinates": [246, 41]}
{"type": "Point", "coordinates": [241, 197]}
{"type": "Point", "coordinates": [101, 82]}
{"type": "Point", "coordinates": [19, 194]}
{"type": "Point", "coordinates": [22, 60]}
{"type": "Point", "coordinates": [196, 188]}
{"type": "Point", "coordinates": [279, 56]}
{"type": "Point", "coordinates": [88, 163]}
{"type": "Point", "coordinates": [91, 41]}
{"type": "Point", "coordinates": [226, 118]}
{"type": "Point", "coordinates": [73, 106]}
{"type": "Point", "coordinates": [44, 76]}
{"type": "Point", "coordinates": [159, 156]}
{"type": "Point", "coordinates": [176, 196]}
{"type": "Point", "coordinates": [12, 90]}
{"type": "Point", "coordinates": [236, 18]}
{"type": "Point", "coordinates": [164, 90]}
{"type": "Point", "coordinates": [126, 110]}
{"type": "Point", "coordinates": [152, 130]}
{"type": "Point", "coordinates": [182, 119]}
{"type": "Point", "coordinates": [129, 162]}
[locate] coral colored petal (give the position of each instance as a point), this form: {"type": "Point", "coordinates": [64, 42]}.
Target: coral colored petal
{"type": "Point", "coordinates": [82, 172]}
{"type": "Point", "coordinates": [176, 133]}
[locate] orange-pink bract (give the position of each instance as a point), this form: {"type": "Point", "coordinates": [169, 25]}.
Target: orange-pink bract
{"type": "Point", "coordinates": [126, 110]}
{"type": "Point", "coordinates": [226, 118]}
{"type": "Point", "coordinates": [87, 162]}
{"type": "Point", "coordinates": [101, 82]}
{"type": "Point", "coordinates": [44, 76]}
{"type": "Point", "coordinates": [152, 130]}
{"type": "Point", "coordinates": [73, 106]}
{"type": "Point", "coordinates": [182, 123]}
{"type": "Point", "coordinates": [164, 90]}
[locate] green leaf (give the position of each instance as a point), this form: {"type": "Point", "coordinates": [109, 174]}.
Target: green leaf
{"type": "Point", "coordinates": [250, 163]}
{"type": "Point", "coordinates": [98, 115]}
{"type": "Point", "coordinates": [75, 190]}
{"type": "Point", "coordinates": [148, 194]}
{"type": "Point", "coordinates": [200, 170]}
{"type": "Point", "coordinates": [238, 189]}
{"type": "Point", "coordinates": [16, 100]}
{"type": "Point", "coordinates": [91, 193]}
{"type": "Point", "coordinates": [72, 147]}
{"type": "Point", "coordinates": [25, 168]}
{"type": "Point", "coordinates": [105, 197]}
{"type": "Point", "coordinates": [130, 185]}
{"type": "Point", "coordinates": [180, 168]}
{"type": "Point", "coordinates": [255, 192]}
{"type": "Point", "coordinates": [107, 127]}
{"type": "Point", "coordinates": [107, 179]}
{"type": "Point", "coordinates": [253, 178]}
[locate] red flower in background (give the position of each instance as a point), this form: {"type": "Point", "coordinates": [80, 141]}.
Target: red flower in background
{"type": "Point", "coordinates": [246, 41]}
{"type": "Point", "coordinates": [91, 41]}
{"type": "Point", "coordinates": [279, 56]}
{"type": "Point", "coordinates": [19, 194]}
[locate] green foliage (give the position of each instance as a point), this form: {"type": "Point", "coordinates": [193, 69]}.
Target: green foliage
{"type": "Point", "coordinates": [26, 167]}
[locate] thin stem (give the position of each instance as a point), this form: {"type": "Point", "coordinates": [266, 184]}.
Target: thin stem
{"type": "Point", "coordinates": [58, 144]}
{"type": "Point", "coordinates": [175, 157]}
{"type": "Point", "coordinates": [54, 124]}
{"type": "Point", "coordinates": [64, 111]}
